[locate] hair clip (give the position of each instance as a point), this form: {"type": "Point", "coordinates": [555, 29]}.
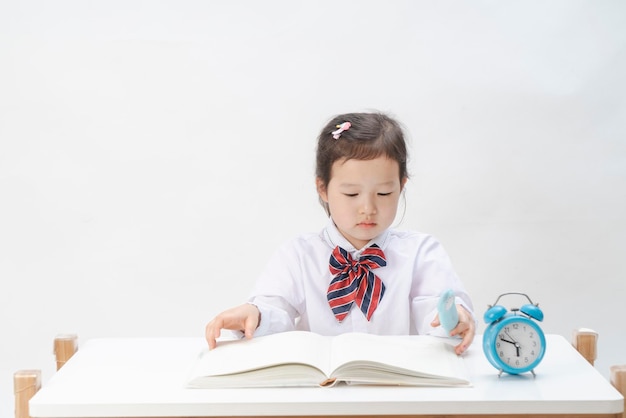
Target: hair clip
{"type": "Point", "coordinates": [342, 127]}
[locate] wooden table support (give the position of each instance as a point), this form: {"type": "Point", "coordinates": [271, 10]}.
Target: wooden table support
{"type": "Point", "coordinates": [618, 379]}
{"type": "Point", "coordinates": [586, 342]}
{"type": "Point", "coordinates": [25, 384]}
{"type": "Point", "coordinates": [65, 345]}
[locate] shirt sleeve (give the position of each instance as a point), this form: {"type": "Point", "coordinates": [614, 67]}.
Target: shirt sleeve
{"type": "Point", "coordinates": [278, 293]}
{"type": "Point", "coordinates": [433, 275]}
{"type": "Point", "coordinates": [275, 315]}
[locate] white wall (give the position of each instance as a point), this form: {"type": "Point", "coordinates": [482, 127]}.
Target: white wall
{"type": "Point", "coordinates": [154, 154]}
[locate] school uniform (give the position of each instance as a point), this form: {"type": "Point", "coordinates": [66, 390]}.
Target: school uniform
{"type": "Point", "coordinates": [291, 293]}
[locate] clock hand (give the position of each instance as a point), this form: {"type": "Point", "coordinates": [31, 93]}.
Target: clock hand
{"type": "Point", "coordinates": [507, 341]}
{"type": "Point", "coordinates": [515, 343]}
{"type": "Point", "coordinates": [509, 335]}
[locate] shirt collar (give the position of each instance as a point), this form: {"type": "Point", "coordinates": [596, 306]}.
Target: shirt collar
{"type": "Point", "coordinates": [333, 238]}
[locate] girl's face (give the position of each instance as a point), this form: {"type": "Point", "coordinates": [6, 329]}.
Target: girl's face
{"type": "Point", "coordinates": [362, 197]}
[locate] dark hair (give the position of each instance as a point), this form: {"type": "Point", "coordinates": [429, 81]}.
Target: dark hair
{"type": "Point", "coordinates": [370, 136]}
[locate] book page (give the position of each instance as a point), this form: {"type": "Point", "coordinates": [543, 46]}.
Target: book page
{"type": "Point", "coordinates": [282, 348]}
{"type": "Point", "coordinates": [414, 355]}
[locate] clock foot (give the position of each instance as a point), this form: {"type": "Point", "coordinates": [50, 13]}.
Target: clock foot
{"type": "Point", "coordinates": [533, 373]}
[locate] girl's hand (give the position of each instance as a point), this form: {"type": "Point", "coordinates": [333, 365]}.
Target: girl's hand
{"type": "Point", "coordinates": [466, 329]}
{"type": "Point", "coordinates": [245, 318]}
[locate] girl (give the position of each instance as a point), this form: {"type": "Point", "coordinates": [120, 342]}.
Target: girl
{"type": "Point", "coordinates": [357, 274]}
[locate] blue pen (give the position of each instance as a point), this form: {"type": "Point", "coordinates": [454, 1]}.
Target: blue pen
{"type": "Point", "coordinates": [448, 315]}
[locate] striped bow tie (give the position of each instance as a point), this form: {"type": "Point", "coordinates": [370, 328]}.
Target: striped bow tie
{"type": "Point", "coordinates": [354, 281]}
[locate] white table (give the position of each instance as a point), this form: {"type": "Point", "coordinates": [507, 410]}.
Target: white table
{"type": "Point", "coordinates": [145, 378]}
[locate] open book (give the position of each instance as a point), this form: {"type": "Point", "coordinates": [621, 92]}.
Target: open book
{"type": "Point", "coordinates": [302, 358]}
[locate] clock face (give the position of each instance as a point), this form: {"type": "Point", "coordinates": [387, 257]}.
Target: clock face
{"type": "Point", "coordinates": [515, 345]}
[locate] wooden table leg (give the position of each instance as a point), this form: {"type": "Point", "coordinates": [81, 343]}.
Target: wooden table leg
{"type": "Point", "coordinates": [25, 384]}
{"type": "Point", "coordinates": [618, 379]}
{"type": "Point", "coordinates": [586, 342]}
{"type": "Point", "coordinates": [65, 345]}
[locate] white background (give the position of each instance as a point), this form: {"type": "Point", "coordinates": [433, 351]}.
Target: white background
{"type": "Point", "coordinates": [154, 154]}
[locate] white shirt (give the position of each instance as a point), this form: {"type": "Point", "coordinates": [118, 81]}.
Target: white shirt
{"type": "Point", "coordinates": [291, 292]}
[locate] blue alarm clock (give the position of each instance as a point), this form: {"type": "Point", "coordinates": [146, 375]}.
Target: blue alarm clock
{"type": "Point", "coordinates": [513, 341]}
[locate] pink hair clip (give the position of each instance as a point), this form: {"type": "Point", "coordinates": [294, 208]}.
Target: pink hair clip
{"type": "Point", "coordinates": [342, 127]}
